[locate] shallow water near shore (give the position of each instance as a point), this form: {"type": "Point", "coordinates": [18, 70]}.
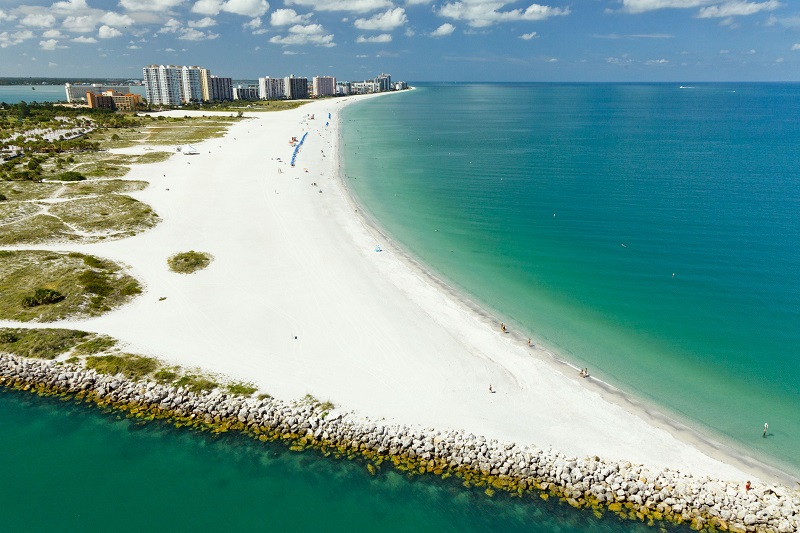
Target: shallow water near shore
{"type": "Point", "coordinates": [71, 467]}
{"type": "Point", "coordinates": [646, 231]}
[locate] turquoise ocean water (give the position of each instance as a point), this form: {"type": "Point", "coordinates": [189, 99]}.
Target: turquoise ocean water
{"type": "Point", "coordinates": [649, 232]}
{"type": "Point", "coordinates": [12, 94]}
{"type": "Point", "coordinates": [488, 166]}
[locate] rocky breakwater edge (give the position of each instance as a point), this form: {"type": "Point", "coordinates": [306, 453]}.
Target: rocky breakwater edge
{"type": "Point", "coordinates": [628, 490]}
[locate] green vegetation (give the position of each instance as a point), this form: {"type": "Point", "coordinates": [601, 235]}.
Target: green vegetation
{"type": "Point", "coordinates": [98, 344]}
{"type": "Point", "coordinates": [196, 383]}
{"type": "Point", "coordinates": [42, 297]}
{"type": "Point", "coordinates": [43, 343]}
{"type": "Point", "coordinates": [70, 175]}
{"type": "Point", "coordinates": [105, 216]}
{"type": "Point", "coordinates": [241, 388]}
{"type": "Point", "coordinates": [36, 229]}
{"type": "Point", "coordinates": [65, 285]}
{"type": "Point", "coordinates": [166, 375]}
{"type": "Point", "coordinates": [188, 262]}
{"type": "Point", "coordinates": [100, 187]}
{"type": "Point", "coordinates": [129, 365]}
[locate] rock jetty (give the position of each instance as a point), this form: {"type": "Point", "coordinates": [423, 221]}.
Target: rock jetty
{"type": "Point", "coordinates": [628, 490]}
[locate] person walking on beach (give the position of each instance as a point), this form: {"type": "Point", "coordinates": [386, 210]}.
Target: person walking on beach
{"type": "Point", "coordinates": [766, 427]}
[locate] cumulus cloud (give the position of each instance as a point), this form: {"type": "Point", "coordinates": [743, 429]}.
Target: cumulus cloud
{"type": "Point", "coordinates": [356, 6]}
{"type": "Point", "coordinates": [38, 20]}
{"type": "Point", "coordinates": [387, 21]}
{"type": "Point", "coordinates": [133, 47]}
{"type": "Point", "coordinates": [53, 34]}
{"type": "Point", "coordinates": [70, 6]}
{"type": "Point", "coordinates": [81, 24]}
{"type": "Point", "coordinates": [305, 34]}
{"type": "Point", "coordinates": [116, 19]}
{"type": "Point", "coordinates": [150, 5]}
{"type": "Point", "coordinates": [529, 36]}
{"type": "Point", "coordinates": [207, 22]}
{"type": "Point", "coordinates": [382, 38]}
{"type": "Point", "coordinates": [796, 46]}
{"type": "Point", "coordinates": [481, 13]}
{"type": "Point", "coordinates": [107, 32]}
{"type": "Point", "coordinates": [641, 6]}
{"type": "Point", "coordinates": [737, 8]}
{"type": "Point", "coordinates": [172, 26]}
{"type": "Point", "coordinates": [247, 8]}
{"type": "Point", "coordinates": [11, 39]}
{"type": "Point", "coordinates": [85, 40]}
{"type": "Point", "coordinates": [191, 34]}
{"type": "Point", "coordinates": [50, 45]}
{"type": "Point", "coordinates": [285, 17]}
{"type": "Point", "coordinates": [443, 30]}
{"type": "Point", "coordinates": [6, 16]}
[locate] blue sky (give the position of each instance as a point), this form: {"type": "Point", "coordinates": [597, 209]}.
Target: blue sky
{"type": "Point", "coordinates": [414, 40]}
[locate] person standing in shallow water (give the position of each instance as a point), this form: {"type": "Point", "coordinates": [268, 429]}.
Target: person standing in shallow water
{"type": "Point", "coordinates": [766, 427]}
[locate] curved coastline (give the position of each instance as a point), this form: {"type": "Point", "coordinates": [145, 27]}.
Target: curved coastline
{"type": "Point", "coordinates": [481, 348]}
{"type": "Point", "coordinates": [694, 435]}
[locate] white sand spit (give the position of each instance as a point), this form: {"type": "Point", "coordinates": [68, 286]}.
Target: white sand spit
{"type": "Point", "coordinates": [298, 301]}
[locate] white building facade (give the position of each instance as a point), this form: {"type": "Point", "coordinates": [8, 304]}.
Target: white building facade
{"type": "Point", "coordinates": [271, 88]}
{"type": "Point", "coordinates": [323, 86]}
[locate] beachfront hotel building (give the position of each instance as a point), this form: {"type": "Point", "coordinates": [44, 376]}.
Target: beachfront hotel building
{"type": "Point", "coordinates": [162, 84]}
{"type": "Point", "coordinates": [77, 91]}
{"type": "Point", "coordinates": [296, 88]}
{"type": "Point", "coordinates": [221, 89]}
{"type": "Point", "coordinates": [245, 93]}
{"type": "Point", "coordinates": [175, 85]}
{"type": "Point", "coordinates": [113, 100]}
{"type": "Point", "coordinates": [271, 88]}
{"type": "Point", "coordinates": [191, 85]}
{"type": "Point", "coordinates": [323, 86]}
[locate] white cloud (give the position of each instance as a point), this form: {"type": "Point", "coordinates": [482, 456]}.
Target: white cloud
{"type": "Point", "coordinates": [387, 21]}
{"type": "Point", "coordinates": [481, 13]}
{"type": "Point", "coordinates": [70, 6]}
{"type": "Point", "coordinates": [656, 62]}
{"type": "Point", "coordinates": [356, 6]}
{"type": "Point", "coordinates": [191, 34]}
{"type": "Point", "coordinates": [51, 64]}
{"type": "Point", "coordinates": [247, 8]}
{"type": "Point", "coordinates": [796, 46]}
{"type": "Point", "coordinates": [641, 6]}
{"type": "Point", "coordinates": [133, 47]}
{"type": "Point", "coordinates": [737, 8]}
{"type": "Point", "coordinates": [50, 45]}
{"type": "Point", "coordinates": [443, 30]}
{"type": "Point", "coordinates": [417, 2]}
{"type": "Point", "coordinates": [207, 7]}
{"type": "Point", "coordinates": [308, 34]}
{"type": "Point", "coordinates": [172, 26]}
{"type": "Point", "coordinates": [382, 38]}
{"type": "Point", "coordinates": [38, 20]}
{"type": "Point", "coordinates": [150, 5]}
{"type": "Point", "coordinates": [362, 56]}
{"type": "Point", "coordinates": [553, 60]}
{"type": "Point", "coordinates": [82, 24]}
{"type": "Point", "coordinates": [285, 17]}
{"type": "Point", "coordinates": [107, 32]}
{"type": "Point", "coordinates": [207, 22]}
{"type": "Point", "coordinates": [84, 40]}
{"type": "Point", "coordinates": [529, 36]}
{"type": "Point", "coordinates": [6, 16]}
{"type": "Point", "coordinates": [53, 34]}
{"type": "Point", "coordinates": [724, 51]}
{"type": "Point", "coordinates": [409, 32]}
{"type": "Point", "coordinates": [116, 19]}
{"type": "Point", "coordinates": [11, 39]}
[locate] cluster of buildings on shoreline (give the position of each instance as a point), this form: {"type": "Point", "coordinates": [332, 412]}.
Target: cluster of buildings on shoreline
{"type": "Point", "coordinates": [171, 85]}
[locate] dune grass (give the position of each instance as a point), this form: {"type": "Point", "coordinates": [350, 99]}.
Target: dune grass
{"type": "Point", "coordinates": [89, 286]}
{"type": "Point", "coordinates": [37, 229]}
{"type": "Point", "coordinates": [44, 343]}
{"type": "Point", "coordinates": [111, 215]}
{"type": "Point", "coordinates": [188, 262]}
{"type": "Point", "coordinates": [129, 365]}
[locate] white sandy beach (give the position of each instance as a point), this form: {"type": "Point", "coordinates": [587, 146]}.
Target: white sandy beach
{"type": "Point", "coordinates": [298, 301]}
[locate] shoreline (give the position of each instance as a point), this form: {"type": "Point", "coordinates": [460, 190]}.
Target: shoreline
{"type": "Point", "coordinates": [695, 435]}
{"type": "Point", "coordinates": [632, 492]}
{"type": "Point", "coordinates": [448, 329]}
